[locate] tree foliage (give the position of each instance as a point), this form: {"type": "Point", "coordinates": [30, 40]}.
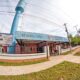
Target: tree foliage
{"type": "Point", "coordinates": [75, 40]}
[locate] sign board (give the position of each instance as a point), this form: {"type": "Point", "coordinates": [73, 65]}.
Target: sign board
{"type": "Point", "coordinates": [5, 39]}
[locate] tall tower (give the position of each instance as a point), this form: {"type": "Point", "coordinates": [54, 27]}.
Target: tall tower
{"type": "Point", "coordinates": [19, 10]}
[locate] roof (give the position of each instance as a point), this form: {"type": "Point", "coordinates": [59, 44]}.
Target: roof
{"type": "Point", "coordinates": [39, 36]}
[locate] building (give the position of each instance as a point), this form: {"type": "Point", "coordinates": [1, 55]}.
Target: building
{"type": "Point", "coordinates": [30, 43]}
{"type": "Point", "coordinates": [30, 46]}
{"type": "Point", "coordinates": [34, 45]}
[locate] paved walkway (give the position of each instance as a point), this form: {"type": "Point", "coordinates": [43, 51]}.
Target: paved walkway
{"type": "Point", "coordinates": [18, 70]}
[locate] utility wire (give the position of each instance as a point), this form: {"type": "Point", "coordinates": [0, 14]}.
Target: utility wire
{"type": "Point", "coordinates": [48, 9]}
{"type": "Point", "coordinates": [40, 18]}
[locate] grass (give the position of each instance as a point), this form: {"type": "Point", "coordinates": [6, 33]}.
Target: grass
{"type": "Point", "coordinates": [65, 70]}
{"type": "Point", "coordinates": [68, 52]}
{"type": "Point", "coordinates": [22, 63]}
{"type": "Point", "coordinates": [77, 54]}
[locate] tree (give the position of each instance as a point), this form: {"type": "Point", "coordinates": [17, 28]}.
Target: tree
{"type": "Point", "coordinates": [75, 40]}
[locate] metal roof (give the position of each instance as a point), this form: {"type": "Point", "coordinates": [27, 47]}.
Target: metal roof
{"type": "Point", "coordinates": [39, 36]}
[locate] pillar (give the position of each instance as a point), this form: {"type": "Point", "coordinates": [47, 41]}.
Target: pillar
{"type": "Point", "coordinates": [46, 50]}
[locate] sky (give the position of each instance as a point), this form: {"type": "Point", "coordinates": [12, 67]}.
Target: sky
{"type": "Point", "coordinates": [42, 16]}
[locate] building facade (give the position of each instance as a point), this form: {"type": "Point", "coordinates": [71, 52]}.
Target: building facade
{"type": "Point", "coordinates": [31, 43]}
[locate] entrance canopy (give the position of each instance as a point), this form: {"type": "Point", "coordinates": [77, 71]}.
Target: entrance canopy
{"type": "Point", "coordinates": [39, 36]}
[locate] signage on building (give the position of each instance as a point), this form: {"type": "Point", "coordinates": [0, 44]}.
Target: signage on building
{"type": "Point", "coordinates": [5, 39]}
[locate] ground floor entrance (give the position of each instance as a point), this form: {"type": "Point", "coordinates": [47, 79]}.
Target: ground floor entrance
{"type": "Point", "coordinates": [31, 47]}
{"type": "Point", "coordinates": [3, 49]}
{"type": "Point", "coordinates": [36, 46]}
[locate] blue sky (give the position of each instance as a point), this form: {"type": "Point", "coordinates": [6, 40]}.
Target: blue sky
{"type": "Point", "coordinates": [42, 16]}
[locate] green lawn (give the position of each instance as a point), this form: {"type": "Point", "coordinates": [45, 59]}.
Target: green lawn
{"type": "Point", "coordinates": [65, 53]}
{"type": "Point", "coordinates": [22, 63]}
{"type": "Point", "coordinates": [68, 52]}
{"type": "Point", "coordinates": [65, 70]}
{"type": "Point", "coordinates": [77, 54]}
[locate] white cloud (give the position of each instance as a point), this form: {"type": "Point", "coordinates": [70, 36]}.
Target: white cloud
{"type": "Point", "coordinates": [45, 16]}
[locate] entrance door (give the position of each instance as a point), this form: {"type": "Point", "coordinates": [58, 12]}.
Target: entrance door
{"type": "Point", "coordinates": [27, 50]}
{"type": "Point", "coordinates": [53, 50]}
{"type": "Point", "coordinates": [4, 49]}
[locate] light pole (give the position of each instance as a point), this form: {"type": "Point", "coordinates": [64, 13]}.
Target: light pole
{"type": "Point", "coordinates": [68, 35]}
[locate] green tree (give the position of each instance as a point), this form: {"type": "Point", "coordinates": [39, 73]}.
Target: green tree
{"type": "Point", "coordinates": [75, 40]}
